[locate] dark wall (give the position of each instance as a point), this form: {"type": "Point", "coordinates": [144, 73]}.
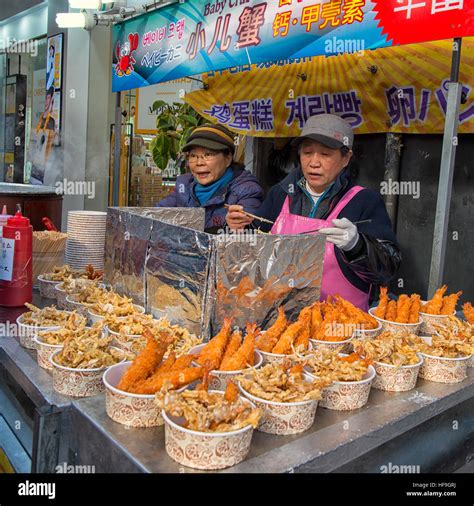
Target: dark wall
{"type": "Point", "coordinates": [420, 162]}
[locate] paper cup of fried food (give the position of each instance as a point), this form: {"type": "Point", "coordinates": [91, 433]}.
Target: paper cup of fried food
{"type": "Point", "coordinates": [366, 333]}
{"type": "Point", "coordinates": [97, 314]}
{"type": "Point", "coordinates": [438, 309]}
{"type": "Point", "coordinates": [36, 320]}
{"type": "Point", "coordinates": [47, 286]}
{"type": "Point", "coordinates": [207, 442]}
{"type": "Point", "coordinates": [68, 287]}
{"type": "Point", "coordinates": [343, 346]}
{"type": "Point", "coordinates": [73, 304]}
{"type": "Point", "coordinates": [351, 377]}
{"type": "Point", "coordinates": [45, 352]}
{"type": "Point", "coordinates": [287, 395]}
{"type": "Point", "coordinates": [393, 326]}
{"type": "Point", "coordinates": [79, 366]}
{"type": "Point", "coordinates": [396, 362]}
{"type": "Point", "coordinates": [220, 377]}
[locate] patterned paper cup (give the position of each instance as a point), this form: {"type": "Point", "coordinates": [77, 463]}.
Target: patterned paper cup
{"type": "Point", "coordinates": [61, 295]}
{"type": "Point", "coordinates": [396, 379]}
{"type": "Point", "coordinates": [272, 358]}
{"type": "Point", "coordinates": [77, 382]}
{"type": "Point", "coordinates": [397, 328]}
{"type": "Point", "coordinates": [44, 352]}
{"type": "Point", "coordinates": [132, 410]}
{"type": "Point", "coordinates": [428, 320]}
{"type": "Point", "coordinates": [219, 379]}
{"type": "Point", "coordinates": [361, 333]}
{"type": "Point", "coordinates": [94, 317]}
{"type": "Point", "coordinates": [348, 395]}
{"type": "Point", "coordinates": [47, 288]}
{"type": "Point", "coordinates": [73, 305]}
{"type": "Point", "coordinates": [284, 418]}
{"type": "Point", "coordinates": [123, 341]}
{"type": "Point", "coordinates": [206, 450]}
{"type": "Point", "coordinates": [343, 346]}
{"type": "Point", "coordinates": [27, 333]}
{"type": "Point", "coordinates": [444, 370]}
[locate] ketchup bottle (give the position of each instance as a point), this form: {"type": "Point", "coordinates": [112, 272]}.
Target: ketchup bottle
{"type": "Point", "coordinates": [20, 289]}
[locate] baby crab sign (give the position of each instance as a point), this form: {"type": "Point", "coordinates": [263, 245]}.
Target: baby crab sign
{"type": "Point", "coordinates": [124, 55]}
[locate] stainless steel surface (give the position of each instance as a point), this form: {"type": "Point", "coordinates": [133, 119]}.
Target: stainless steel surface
{"type": "Point", "coordinates": [443, 203]}
{"type": "Point", "coordinates": [27, 189]}
{"type": "Point", "coordinates": [336, 438]}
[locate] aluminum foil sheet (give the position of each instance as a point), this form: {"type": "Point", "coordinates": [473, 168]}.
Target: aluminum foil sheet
{"type": "Point", "coordinates": [256, 274]}
{"type": "Point", "coordinates": [177, 275]}
{"type": "Point", "coordinates": [128, 238]}
{"type": "Point", "coordinates": [189, 217]}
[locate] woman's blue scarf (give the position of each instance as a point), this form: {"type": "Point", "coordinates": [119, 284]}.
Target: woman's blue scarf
{"type": "Point", "coordinates": [204, 193]}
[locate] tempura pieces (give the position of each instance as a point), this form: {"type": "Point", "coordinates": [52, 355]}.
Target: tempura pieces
{"type": "Point", "coordinates": [50, 317]}
{"type": "Point", "coordinates": [329, 365]}
{"type": "Point", "coordinates": [444, 347]}
{"type": "Point", "coordinates": [58, 337]}
{"type": "Point", "coordinates": [404, 310]}
{"type": "Point", "coordinates": [89, 350]}
{"type": "Point", "coordinates": [388, 348]}
{"type": "Point", "coordinates": [268, 340]}
{"type": "Point", "coordinates": [210, 412]}
{"type": "Point", "coordinates": [215, 348]}
{"type": "Point", "coordinates": [65, 272]}
{"type": "Point", "coordinates": [282, 383]}
{"type": "Point", "coordinates": [441, 304]}
{"type": "Point", "coordinates": [236, 355]}
{"type": "Point", "coordinates": [454, 328]}
{"type": "Point", "coordinates": [468, 312]}
{"type": "Point", "coordinates": [146, 362]}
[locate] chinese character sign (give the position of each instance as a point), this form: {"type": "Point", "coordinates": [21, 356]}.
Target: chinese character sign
{"type": "Point", "coordinates": [210, 35]}
{"type": "Point", "coordinates": [399, 99]}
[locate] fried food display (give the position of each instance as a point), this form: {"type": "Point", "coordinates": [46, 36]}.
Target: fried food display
{"type": "Point", "coordinates": [148, 372]}
{"type": "Point", "coordinates": [72, 285]}
{"type": "Point", "coordinates": [454, 328]}
{"type": "Point", "coordinates": [65, 272]}
{"type": "Point", "coordinates": [282, 383]}
{"type": "Point", "coordinates": [441, 304]}
{"type": "Point", "coordinates": [49, 316]}
{"type": "Point", "coordinates": [388, 348]}
{"type": "Point", "coordinates": [329, 365]}
{"type": "Point", "coordinates": [204, 411]}
{"type": "Point", "coordinates": [89, 349]}
{"type": "Point", "coordinates": [404, 310]}
{"type": "Point", "coordinates": [337, 319]}
{"type": "Point", "coordinates": [444, 347]}
{"type": "Point", "coordinates": [111, 303]}
{"type": "Point", "coordinates": [468, 312]}
{"type": "Point", "coordinates": [268, 340]}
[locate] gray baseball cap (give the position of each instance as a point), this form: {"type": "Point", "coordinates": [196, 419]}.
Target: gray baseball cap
{"type": "Point", "coordinates": [328, 129]}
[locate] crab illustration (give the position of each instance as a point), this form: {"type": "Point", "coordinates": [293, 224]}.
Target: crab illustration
{"type": "Point", "coordinates": [124, 55]}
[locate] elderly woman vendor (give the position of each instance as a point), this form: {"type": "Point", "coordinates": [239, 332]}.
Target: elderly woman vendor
{"type": "Point", "coordinates": [215, 179]}
{"type": "Point", "coordinates": [320, 195]}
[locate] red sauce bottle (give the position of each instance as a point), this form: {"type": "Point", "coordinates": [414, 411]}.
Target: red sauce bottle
{"type": "Point", "coordinates": [18, 235]}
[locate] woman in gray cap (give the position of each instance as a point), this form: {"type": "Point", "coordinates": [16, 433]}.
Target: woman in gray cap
{"type": "Point", "coordinates": [214, 179]}
{"type": "Point", "coordinates": [319, 195]}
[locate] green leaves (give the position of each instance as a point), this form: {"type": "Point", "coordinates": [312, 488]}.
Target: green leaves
{"type": "Point", "coordinates": [174, 123]}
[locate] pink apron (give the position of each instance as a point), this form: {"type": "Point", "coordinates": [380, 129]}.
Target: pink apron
{"type": "Point", "coordinates": [334, 282]}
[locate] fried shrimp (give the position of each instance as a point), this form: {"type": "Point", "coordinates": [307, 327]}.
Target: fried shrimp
{"type": "Point", "coordinates": [243, 358]}
{"type": "Point", "coordinates": [415, 307]}
{"type": "Point", "coordinates": [269, 339]}
{"type": "Point", "coordinates": [177, 379]}
{"type": "Point", "coordinates": [214, 349]}
{"type": "Point", "coordinates": [383, 303]}
{"type": "Point", "coordinates": [468, 312]}
{"type": "Point", "coordinates": [288, 337]}
{"type": "Point", "coordinates": [449, 303]}
{"type": "Point", "coordinates": [232, 347]}
{"type": "Point", "coordinates": [434, 305]}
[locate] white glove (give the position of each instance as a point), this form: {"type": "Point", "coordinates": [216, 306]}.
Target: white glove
{"type": "Point", "coordinates": [344, 234]}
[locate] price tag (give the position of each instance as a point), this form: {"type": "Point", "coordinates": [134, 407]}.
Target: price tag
{"type": "Point", "coordinates": [6, 259]}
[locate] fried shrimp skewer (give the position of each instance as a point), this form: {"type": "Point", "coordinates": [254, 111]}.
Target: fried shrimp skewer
{"type": "Point", "coordinates": [214, 349]}
{"type": "Point", "coordinates": [382, 307]}
{"type": "Point", "coordinates": [245, 354]}
{"type": "Point", "coordinates": [234, 344]}
{"type": "Point", "coordinates": [146, 362]}
{"type": "Point", "coordinates": [268, 340]}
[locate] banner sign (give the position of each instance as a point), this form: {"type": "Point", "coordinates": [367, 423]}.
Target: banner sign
{"type": "Point", "coordinates": [398, 89]}
{"type": "Point", "coordinates": [201, 35]}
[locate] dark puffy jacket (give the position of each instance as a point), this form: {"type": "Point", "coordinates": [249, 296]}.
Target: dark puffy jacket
{"type": "Point", "coordinates": [376, 257]}
{"type": "Point", "coordinates": [243, 189]}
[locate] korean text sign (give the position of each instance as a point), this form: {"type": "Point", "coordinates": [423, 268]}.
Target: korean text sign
{"type": "Point", "coordinates": [202, 35]}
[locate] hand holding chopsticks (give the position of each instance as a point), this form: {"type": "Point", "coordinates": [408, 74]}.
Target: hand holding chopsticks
{"type": "Point", "coordinates": [253, 216]}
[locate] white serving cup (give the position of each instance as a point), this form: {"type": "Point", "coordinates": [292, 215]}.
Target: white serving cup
{"type": "Point", "coordinates": [206, 450]}
{"type": "Point", "coordinates": [94, 317]}
{"type": "Point", "coordinates": [444, 370]}
{"type": "Point", "coordinates": [47, 287]}
{"type": "Point", "coordinates": [398, 328]}
{"type": "Point", "coordinates": [362, 333]}
{"type": "Point", "coordinates": [44, 352]}
{"type": "Point", "coordinates": [27, 333]}
{"type": "Point", "coordinates": [392, 378]}
{"type": "Point", "coordinates": [343, 346]}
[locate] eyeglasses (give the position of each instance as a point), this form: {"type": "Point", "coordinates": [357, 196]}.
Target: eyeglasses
{"type": "Point", "coordinates": [207, 157]}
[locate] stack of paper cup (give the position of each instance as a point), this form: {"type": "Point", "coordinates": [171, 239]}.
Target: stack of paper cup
{"type": "Point", "coordinates": [86, 239]}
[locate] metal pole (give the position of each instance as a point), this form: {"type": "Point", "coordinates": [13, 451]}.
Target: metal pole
{"type": "Point", "coordinates": [450, 141]}
{"type": "Point", "coordinates": [393, 149]}
{"type": "Point", "coordinates": [117, 149]}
